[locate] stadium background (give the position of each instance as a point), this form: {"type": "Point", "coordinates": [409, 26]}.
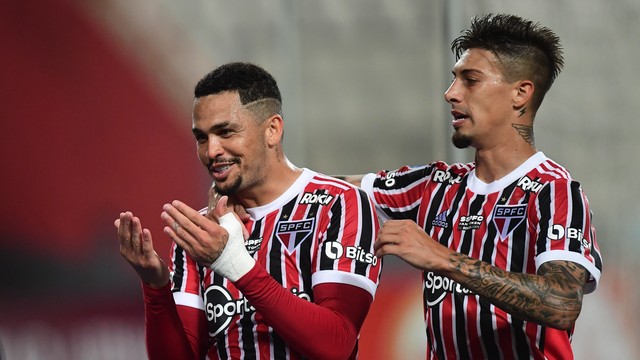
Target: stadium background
{"type": "Point", "coordinates": [96, 99]}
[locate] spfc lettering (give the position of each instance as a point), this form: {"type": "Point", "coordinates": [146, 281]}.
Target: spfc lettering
{"type": "Point", "coordinates": [293, 233]}
{"type": "Point", "coordinates": [507, 217]}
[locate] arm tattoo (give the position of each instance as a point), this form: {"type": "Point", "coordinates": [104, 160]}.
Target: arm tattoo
{"type": "Point", "coordinates": [553, 297]}
{"type": "Point", "coordinates": [525, 131]}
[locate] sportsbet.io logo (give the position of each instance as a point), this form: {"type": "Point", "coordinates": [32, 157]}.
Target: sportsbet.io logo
{"type": "Point", "coordinates": [334, 250]}
{"type": "Point", "coordinates": [437, 287]}
{"type": "Point", "coordinates": [220, 308]}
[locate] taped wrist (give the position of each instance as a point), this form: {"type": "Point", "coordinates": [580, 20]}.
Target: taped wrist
{"type": "Point", "coordinates": [235, 261]}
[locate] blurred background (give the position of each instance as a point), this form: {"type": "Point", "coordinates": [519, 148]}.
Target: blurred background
{"type": "Point", "coordinates": [96, 100]}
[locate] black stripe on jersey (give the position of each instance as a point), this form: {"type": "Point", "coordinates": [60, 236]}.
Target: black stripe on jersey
{"type": "Point", "coordinates": [276, 253]}
{"type": "Point", "coordinates": [279, 347]}
{"type": "Point", "coordinates": [333, 231]}
{"type": "Point", "coordinates": [459, 299]}
{"type": "Point", "coordinates": [544, 206]}
{"type": "Point", "coordinates": [446, 233]}
{"type": "Point", "coordinates": [489, 342]}
{"type": "Point", "coordinates": [366, 231]}
{"type": "Point", "coordinates": [248, 343]}
{"type": "Point", "coordinates": [517, 263]}
{"type": "Point", "coordinates": [179, 263]}
{"type": "Point", "coordinates": [305, 253]}
{"type": "Point", "coordinates": [577, 216]}
{"type": "Point", "coordinates": [435, 321]}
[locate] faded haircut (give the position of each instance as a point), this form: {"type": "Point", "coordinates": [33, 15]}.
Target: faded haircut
{"type": "Point", "coordinates": [526, 50]}
{"type": "Point", "coordinates": [257, 89]}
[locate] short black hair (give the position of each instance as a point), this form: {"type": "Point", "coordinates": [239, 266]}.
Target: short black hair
{"type": "Point", "coordinates": [251, 81]}
{"type": "Point", "coordinates": [526, 49]}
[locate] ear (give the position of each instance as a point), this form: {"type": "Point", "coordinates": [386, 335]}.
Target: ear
{"type": "Point", "coordinates": [274, 128]}
{"type": "Point", "coordinates": [523, 93]}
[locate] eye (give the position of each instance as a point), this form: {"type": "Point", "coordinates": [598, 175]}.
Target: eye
{"type": "Point", "coordinates": [224, 132]}
{"type": "Point", "coordinates": [201, 138]}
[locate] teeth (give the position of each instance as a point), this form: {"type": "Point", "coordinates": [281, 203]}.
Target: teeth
{"type": "Point", "coordinates": [221, 168]}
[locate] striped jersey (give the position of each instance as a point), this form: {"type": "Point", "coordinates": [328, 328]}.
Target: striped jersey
{"type": "Point", "coordinates": [320, 230]}
{"type": "Point", "coordinates": [535, 214]}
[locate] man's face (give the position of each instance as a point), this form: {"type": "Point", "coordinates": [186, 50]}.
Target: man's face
{"type": "Point", "coordinates": [230, 142]}
{"type": "Point", "coordinates": [480, 100]}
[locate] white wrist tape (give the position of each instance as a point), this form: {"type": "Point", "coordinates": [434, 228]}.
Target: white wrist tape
{"type": "Point", "coordinates": [235, 261]}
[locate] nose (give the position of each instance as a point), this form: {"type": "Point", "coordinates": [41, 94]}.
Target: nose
{"type": "Point", "coordinates": [452, 95]}
{"type": "Point", "coordinates": [215, 148]}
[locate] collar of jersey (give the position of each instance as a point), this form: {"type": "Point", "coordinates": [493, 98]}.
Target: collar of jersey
{"type": "Point", "coordinates": [261, 211]}
{"type": "Point", "coordinates": [482, 188]}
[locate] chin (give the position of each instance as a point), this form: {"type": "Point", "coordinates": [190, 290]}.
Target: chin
{"type": "Point", "coordinates": [460, 141]}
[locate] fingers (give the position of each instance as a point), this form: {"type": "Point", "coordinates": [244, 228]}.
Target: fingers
{"type": "Point", "coordinates": [129, 233]}
{"type": "Point", "coordinates": [221, 207]}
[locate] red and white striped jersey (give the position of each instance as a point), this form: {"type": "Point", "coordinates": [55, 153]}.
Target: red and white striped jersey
{"type": "Point", "coordinates": [321, 230]}
{"type": "Point", "coordinates": [535, 214]}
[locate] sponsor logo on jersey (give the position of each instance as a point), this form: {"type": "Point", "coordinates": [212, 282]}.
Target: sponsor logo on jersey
{"type": "Point", "coordinates": [315, 198]}
{"type": "Point", "coordinates": [442, 177]}
{"type": "Point", "coordinates": [507, 217]}
{"type": "Point", "coordinates": [437, 287]}
{"type": "Point", "coordinates": [528, 184]}
{"type": "Point", "coordinates": [292, 233]}
{"type": "Point", "coordinates": [253, 245]}
{"type": "Point", "coordinates": [220, 308]}
{"type": "Point", "coordinates": [441, 220]}
{"type": "Point", "coordinates": [335, 250]}
{"type": "Point", "coordinates": [558, 232]}
{"type": "Point", "coordinates": [470, 222]}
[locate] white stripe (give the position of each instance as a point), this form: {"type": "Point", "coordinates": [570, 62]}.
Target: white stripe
{"type": "Point", "coordinates": [341, 277]}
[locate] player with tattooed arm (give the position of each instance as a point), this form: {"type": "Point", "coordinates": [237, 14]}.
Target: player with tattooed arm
{"type": "Point", "coordinates": [506, 243]}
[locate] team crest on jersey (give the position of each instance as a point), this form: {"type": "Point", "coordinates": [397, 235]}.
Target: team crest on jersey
{"type": "Point", "coordinates": [441, 220]}
{"type": "Point", "coordinates": [292, 233]}
{"type": "Point", "coordinates": [508, 217]}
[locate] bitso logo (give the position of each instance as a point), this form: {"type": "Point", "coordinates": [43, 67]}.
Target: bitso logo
{"type": "Point", "coordinates": [334, 251]}
{"type": "Point", "coordinates": [220, 308]}
{"type": "Point", "coordinates": [558, 232]}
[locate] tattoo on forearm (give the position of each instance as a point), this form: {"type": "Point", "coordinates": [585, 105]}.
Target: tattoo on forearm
{"type": "Point", "coordinates": [553, 297]}
{"type": "Point", "coordinates": [526, 132]}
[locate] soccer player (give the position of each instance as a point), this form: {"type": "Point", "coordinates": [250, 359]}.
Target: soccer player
{"type": "Point", "coordinates": [301, 280]}
{"type": "Point", "coordinates": [506, 243]}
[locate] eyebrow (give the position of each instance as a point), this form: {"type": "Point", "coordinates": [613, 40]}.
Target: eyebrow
{"type": "Point", "coordinates": [213, 128]}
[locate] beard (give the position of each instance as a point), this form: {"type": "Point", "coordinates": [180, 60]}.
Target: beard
{"type": "Point", "coordinates": [229, 189]}
{"type": "Point", "coordinates": [460, 141]}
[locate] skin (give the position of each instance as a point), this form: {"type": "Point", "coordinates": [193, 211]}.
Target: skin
{"type": "Point", "coordinates": [493, 116]}
{"type": "Point", "coordinates": [244, 156]}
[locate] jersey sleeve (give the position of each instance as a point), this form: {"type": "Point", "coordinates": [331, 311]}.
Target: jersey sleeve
{"type": "Point", "coordinates": [348, 230]}
{"type": "Point", "coordinates": [566, 230]}
{"type": "Point", "coordinates": [185, 279]}
{"type": "Point", "coordinates": [397, 194]}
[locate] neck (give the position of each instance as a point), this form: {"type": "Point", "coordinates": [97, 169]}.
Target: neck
{"type": "Point", "coordinates": [494, 163]}
{"type": "Point", "coordinates": [277, 179]}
